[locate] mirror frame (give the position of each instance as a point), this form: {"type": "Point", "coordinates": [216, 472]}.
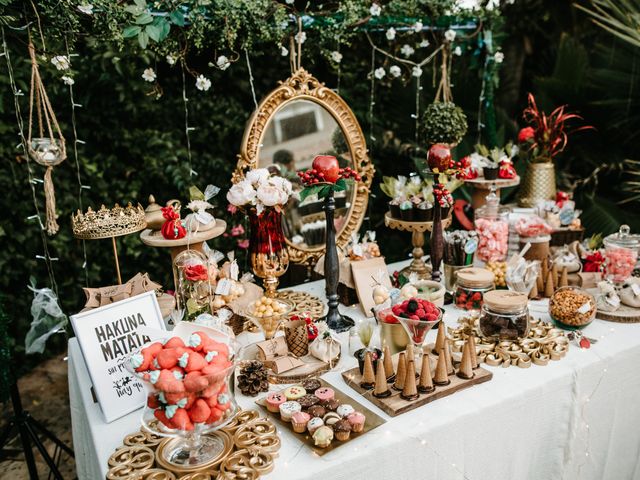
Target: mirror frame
{"type": "Point", "coordinates": [303, 86]}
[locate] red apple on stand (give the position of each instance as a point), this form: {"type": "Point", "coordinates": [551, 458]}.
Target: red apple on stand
{"type": "Point", "coordinates": [328, 166]}
{"type": "Point", "coordinates": [439, 158]}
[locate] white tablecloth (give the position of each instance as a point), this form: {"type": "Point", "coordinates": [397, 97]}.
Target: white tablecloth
{"type": "Point", "coordinates": [577, 418]}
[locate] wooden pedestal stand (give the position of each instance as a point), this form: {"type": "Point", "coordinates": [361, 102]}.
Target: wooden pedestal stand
{"type": "Point", "coordinates": [482, 187]}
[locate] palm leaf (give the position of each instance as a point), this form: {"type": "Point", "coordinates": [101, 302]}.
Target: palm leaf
{"type": "Point", "coordinates": [618, 17]}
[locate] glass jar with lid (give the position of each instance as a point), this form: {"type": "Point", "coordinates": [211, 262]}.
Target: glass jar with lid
{"type": "Point", "coordinates": [621, 253]}
{"type": "Point", "coordinates": [504, 315]}
{"type": "Point", "coordinates": [471, 285]}
{"type": "Point", "coordinates": [492, 225]}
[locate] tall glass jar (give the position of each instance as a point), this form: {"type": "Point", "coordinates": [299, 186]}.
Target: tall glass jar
{"type": "Point", "coordinates": [471, 285]}
{"type": "Point", "coordinates": [492, 225]}
{"type": "Point", "coordinates": [505, 315]}
{"type": "Point", "coordinates": [268, 248]}
{"type": "Point", "coordinates": [621, 254]}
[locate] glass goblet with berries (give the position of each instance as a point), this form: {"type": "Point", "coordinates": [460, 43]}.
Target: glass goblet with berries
{"type": "Point", "coordinates": [418, 317]}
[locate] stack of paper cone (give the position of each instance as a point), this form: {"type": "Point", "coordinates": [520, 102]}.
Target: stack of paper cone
{"type": "Point", "coordinates": [440, 338]}
{"type": "Point", "coordinates": [426, 383]}
{"type": "Point", "coordinates": [554, 275]}
{"type": "Point", "coordinates": [401, 373]}
{"type": "Point", "coordinates": [388, 364]}
{"type": "Point", "coordinates": [410, 391]}
{"type": "Point", "coordinates": [441, 377]}
{"type": "Point", "coordinates": [447, 356]}
{"type": "Point", "coordinates": [368, 377]}
{"type": "Point", "coordinates": [564, 278]}
{"type": "Point", "coordinates": [549, 288]}
{"type": "Point", "coordinates": [472, 351]}
{"type": "Point", "coordinates": [465, 370]}
{"type": "Point", "coordinates": [381, 389]}
{"type": "Point", "coordinates": [534, 291]}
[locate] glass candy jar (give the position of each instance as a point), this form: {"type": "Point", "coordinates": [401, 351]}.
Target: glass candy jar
{"type": "Point", "coordinates": [492, 225]}
{"type": "Point", "coordinates": [471, 285]}
{"type": "Point", "coordinates": [193, 290]}
{"type": "Point", "coordinates": [504, 315]}
{"type": "Point", "coordinates": [621, 254]}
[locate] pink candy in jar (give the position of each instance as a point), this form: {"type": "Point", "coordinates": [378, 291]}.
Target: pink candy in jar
{"type": "Point", "coordinates": [493, 239]}
{"type": "Point", "coordinates": [621, 254]}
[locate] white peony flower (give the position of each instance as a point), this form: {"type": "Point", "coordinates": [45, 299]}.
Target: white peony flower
{"type": "Point", "coordinates": [68, 80]}
{"type": "Point", "coordinates": [223, 62]}
{"type": "Point", "coordinates": [336, 56]}
{"type": "Point", "coordinates": [270, 195]}
{"type": "Point", "coordinates": [418, 26]}
{"type": "Point", "coordinates": [242, 193]}
{"type": "Point", "coordinates": [289, 2]}
{"type": "Point", "coordinates": [149, 75]}
{"type": "Point", "coordinates": [416, 71]}
{"type": "Point", "coordinates": [257, 176]}
{"type": "Point", "coordinates": [171, 59]}
{"type": "Point", "coordinates": [457, 51]}
{"type": "Point", "coordinates": [498, 57]}
{"type": "Point", "coordinates": [203, 83]}
{"type": "Point", "coordinates": [283, 51]}
{"type": "Point", "coordinates": [391, 33]}
{"type": "Point", "coordinates": [468, 5]}
{"type": "Point", "coordinates": [283, 184]}
{"type": "Point", "coordinates": [424, 44]}
{"type": "Point", "coordinates": [379, 73]}
{"type": "Point", "coordinates": [301, 37]}
{"type": "Point", "coordinates": [86, 8]}
{"type": "Point", "coordinates": [395, 71]}
{"type": "Point", "coordinates": [375, 10]}
{"type": "Point", "coordinates": [61, 62]}
{"type": "Point", "coordinates": [450, 35]}
{"type": "Point", "coordinates": [407, 50]}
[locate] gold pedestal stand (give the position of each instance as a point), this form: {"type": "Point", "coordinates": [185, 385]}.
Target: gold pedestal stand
{"type": "Point", "coordinates": [417, 230]}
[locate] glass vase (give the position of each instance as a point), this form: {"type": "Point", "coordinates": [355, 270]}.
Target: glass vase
{"type": "Point", "coordinates": [193, 290]}
{"type": "Point", "coordinates": [268, 248]}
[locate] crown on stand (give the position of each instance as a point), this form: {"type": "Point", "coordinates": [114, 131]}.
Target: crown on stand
{"type": "Point", "coordinates": [108, 222]}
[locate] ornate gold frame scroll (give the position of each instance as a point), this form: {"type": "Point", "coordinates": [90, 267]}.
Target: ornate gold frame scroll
{"type": "Point", "coordinates": [303, 86]}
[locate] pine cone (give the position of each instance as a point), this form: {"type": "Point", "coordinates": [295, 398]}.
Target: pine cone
{"type": "Point", "coordinates": [253, 379]}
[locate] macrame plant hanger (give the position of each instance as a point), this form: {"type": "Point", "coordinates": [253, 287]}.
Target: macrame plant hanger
{"type": "Point", "coordinates": [47, 151]}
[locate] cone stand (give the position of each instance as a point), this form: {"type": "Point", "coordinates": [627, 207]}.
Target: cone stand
{"type": "Point", "coordinates": [368, 377]}
{"type": "Point", "coordinates": [441, 378]}
{"type": "Point", "coordinates": [381, 389]}
{"type": "Point", "coordinates": [426, 382]}
{"type": "Point", "coordinates": [410, 391]}
{"type": "Point", "coordinates": [401, 373]}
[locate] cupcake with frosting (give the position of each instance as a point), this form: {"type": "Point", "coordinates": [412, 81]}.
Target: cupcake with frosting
{"type": "Point", "coordinates": [287, 409]}
{"type": "Point", "coordinates": [356, 419]}
{"type": "Point", "coordinates": [342, 430]}
{"type": "Point", "coordinates": [299, 421]}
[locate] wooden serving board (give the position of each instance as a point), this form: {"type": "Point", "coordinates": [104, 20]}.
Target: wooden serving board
{"type": "Point", "coordinates": [624, 314]}
{"type": "Point", "coordinates": [395, 405]}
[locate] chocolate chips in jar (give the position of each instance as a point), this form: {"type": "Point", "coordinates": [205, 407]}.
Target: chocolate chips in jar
{"type": "Point", "coordinates": [504, 315]}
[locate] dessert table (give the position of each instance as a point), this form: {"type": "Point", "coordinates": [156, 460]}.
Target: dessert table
{"type": "Point", "coordinates": [574, 418]}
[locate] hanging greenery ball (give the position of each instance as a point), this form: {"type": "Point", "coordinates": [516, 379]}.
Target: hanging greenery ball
{"type": "Point", "coordinates": [444, 122]}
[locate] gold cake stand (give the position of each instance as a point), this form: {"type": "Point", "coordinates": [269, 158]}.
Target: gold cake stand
{"type": "Point", "coordinates": [482, 187]}
{"type": "Point", "coordinates": [417, 230]}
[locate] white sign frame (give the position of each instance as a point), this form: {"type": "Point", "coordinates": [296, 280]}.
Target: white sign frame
{"type": "Point", "coordinates": [117, 399]}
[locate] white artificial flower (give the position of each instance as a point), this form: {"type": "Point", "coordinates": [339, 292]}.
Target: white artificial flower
{"type": "Point", "coordinates": [149, 75]}
{"type": "Point", "coordinates": [171, 59]}
{"type": "Point", "coordinates": [270, 195]}
{"type": "Point", "coordinates": [336, 56]}
{"type": "Point", "coordinates": [375, 10]}
{"type": "Point", "coordinates": [283, 51]}
{"type": "Point", "coordinates": [223, 62]}
{"type": "Point", "coordinates": [283, 184]}
{"type": "Point", "coordinates": [61, 62]}
{"type": "Point", "coordinates": [407, 50]}
{"type": "Point", "coordinates": [498, 57]}
{"type": "Point", "coordinates": [416, 71]}
{"type": "Point", "coordinates": [457, 51]}
{"type": "Point", "coordinates": [450, 35]}
{"type": "Point", "coordinates": [492, 4]}
{"type": "Point", "coordinates": [289, 2]}
{"type": "Point", "coordinates": [86, 8]}
{"type": "Point", "coordinates": [301, 37]}
{"type": "Point", "coordinates": [424, 44]}
{"type": "Point", "coordinates": [395, 71]}
{"type": "Point", "coordinates": [242, 193]}
{"type": "Point", "coordinates": [417, 27]}
{"type": "Point", "coordinates": [257, 176]}
{"type": "Point", "coordinates": [203, 83]}
{"type": "Point", "coordinates": [68, 80]}
{"type": "Point", "coordinates": [391, 33]}
{"type": "Point", "coordinates": [379, 73]}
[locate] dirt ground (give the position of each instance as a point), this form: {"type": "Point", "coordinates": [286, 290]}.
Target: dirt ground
{"type": "Point", "coordinates": [45, 394]}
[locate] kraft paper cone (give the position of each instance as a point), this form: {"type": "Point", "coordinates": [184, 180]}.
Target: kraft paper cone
{"type": "Point", "coordinates": [466, 369]}
{"type": "Point", "coordinates": [440, 338]}
{"type": "Point", "coordinates": [549, 288]}
{"type": "Point", "coordinates": [544, 270]}
{"type": "Point", "coordinates": [472, 351]}
{"type": "Point", "coordinates": [401, 374]}
{"type": "Point", "coordinates": [381, 389]}
{"type": "Point", "coordinates": [564, 278]}
{"type": "Point", "coordinates": [410, 391]}
{"type": "Point", "coordinates": [540, 282]}
{"type": "Point", "coordinates": [447, 356]}
{"type": "Point", "coordinates": [410, 352]}
{"type": "Point", "coordinates": [426, 383]}
{"type": "Point", "coordinates": [534, 291]}
{"type": "Point", "coordinates": [388, 364]}
{"type": "Point", "coordinates": [368, 377]}
{"type": "Point", "coordinates": [441, 377]}
{"type": "Point", "coordinates": [554, 273]}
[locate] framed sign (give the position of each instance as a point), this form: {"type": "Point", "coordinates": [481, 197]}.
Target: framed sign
{"type": "Point", "coordinates": [107, 336]}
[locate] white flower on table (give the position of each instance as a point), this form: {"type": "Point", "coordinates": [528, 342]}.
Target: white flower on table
{"type": "Point", "coordinates": [379, 73]}
{"type": "Point", "coordinates": [257, 176]}
{"type": "Point", "coordinates": [450, 35]}
{"type": "Point", "coordinates": [407, 50]}
{"type": "Point", "coordinates": [241, 193]}
{"type": "Point", "coordinates": [416, 71]}
{"type": "Point", "coordinates": [149, 75]}
{"type": "Point", "coordinates": [223, 62]}
{"type": "Point", "coordinates": [418, 26]}
{"type": "Point", "coordinates": [395, 71]}
{"type": "Point", "coordinates": [391, 33]}
{"type": "Point", "coordinates": [86, 8]}
{"type": "Point", "coordinates": [336, 56]}
{"type": "Point", "coordinates": [498, 57]}
{"type": "Point", "coordinates": [171, 59]}
{"type": "Point", "coordinates": [61, 62]}
{"type": "Point", "coordinates": [270, 195]}
{"type": "Point", "coordinates": [68, 80]}
{"type": "Point", "coordinates": [375, 10]}
{"type": "Point", "coordinates": [203, 83]}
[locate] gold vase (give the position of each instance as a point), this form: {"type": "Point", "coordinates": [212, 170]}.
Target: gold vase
{"type": "Point", "coordinates": [539, 184]}
{"type": "Point", "coordinates": [393, 335]}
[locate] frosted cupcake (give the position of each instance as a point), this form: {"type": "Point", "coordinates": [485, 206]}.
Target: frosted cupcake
{"type": "Point", "coordinates": [322, 437]}
{"type": "Point", "coordinates": [287, 409]}
{"type": "Point", "coordinates": [314, 424]}
{"type": "Point", "coordinates": [345, 410]}
{"type": "Point", "coordinates": [295, 392]}
{"type": "Point", "coordinates": [299, 421]}
{"type": "Point", "coordinates": [356, 419]}
{"type": "Point", "coordinates": [325, 393]}
{"type": "Point", "coordinates": [274, 400]}
{"type": "Point", "coordinates": [342, 430]}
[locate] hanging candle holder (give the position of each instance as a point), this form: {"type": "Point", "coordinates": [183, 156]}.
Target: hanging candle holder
{"type": "Point", "coordinates": [48, 148]}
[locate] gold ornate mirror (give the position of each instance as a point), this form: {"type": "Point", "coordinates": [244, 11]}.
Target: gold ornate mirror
{"type": "Point", "coordinates": [297, 121]}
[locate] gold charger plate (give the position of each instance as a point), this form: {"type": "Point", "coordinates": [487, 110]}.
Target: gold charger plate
{"type": "Point", "coordinates": [372, 421]}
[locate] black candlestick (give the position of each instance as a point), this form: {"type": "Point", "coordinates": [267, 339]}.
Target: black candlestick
{"type": "Point", "coordinates": [436, 241]}
{"type": "Point", "coordinates": [335, 320]}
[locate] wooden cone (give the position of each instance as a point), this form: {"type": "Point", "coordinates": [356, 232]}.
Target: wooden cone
{"type": "Point", "coordinates": [534, 291]}
{"type": "Point", "coordinates": [554, 276]}
{"type": "Point", "coordinates": [410, 391]}
{"type": "Point", "coordinates": [564, 278]}
{"type": "Point", "coordinates": [388, 364]}
{"type": "Point", "coordinates": [426, 383]}
{"type": "Point", "coordinates": [401, 373]}
{"type": "Point", "coordinates": [381, 389]}
{"type": "Point", "coordinates": [465, 370]}
{"type": "Point", "coordinates": [442, 335]}
{"type": "Point", "coordinates": [472, 351]}
{"type": "Point", "coordinates": [368, 377]}
{"type": "Point", "coordinates": [447, 356]}
{"type": "Point", "coordinates": [548, 286]}
{"type": "Point", "coordinates": [441, 377]}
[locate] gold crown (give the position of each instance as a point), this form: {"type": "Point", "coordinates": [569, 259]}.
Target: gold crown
{"type": "Point", "coordinates": [107, 223]}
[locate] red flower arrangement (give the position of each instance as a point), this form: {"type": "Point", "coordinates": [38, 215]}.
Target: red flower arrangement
{"type": "Point", "coordinates": [196, 273]}
{"type": "Point", "coordinates": [594, 262]}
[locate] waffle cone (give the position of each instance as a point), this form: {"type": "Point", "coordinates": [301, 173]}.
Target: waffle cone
{"type": "Point", "coordinates": [381, 389]}
{"type": "Point", "coordinates": [564, 278]}
{"type": "Point", "coordinates": [549, 287]}
{"type": "Point", "coordinates": [441, 377]}
{"type": "Point", "coordinates": [534, 291]}
{"type": "Point", "coordinates": [447, 356]}
{"type": "Point", "coordinates": [554, 273]}
{"type": "Point", "coordinates": [401, 374]}
{"type": "Point", "coordinates": [388, 363]}
{"type": "Point", "coordinates": [368, 377]}
{"type": "Point", "coordinates": [466, 368]}
{"type": "Point", "coordinates": [410, 390]}
{"type": "Point", "coordinates": [472, 351]}
{"type": "Point", "coordinates": [426, 382]}
{"type": "Point", "coordinates": [440, 338]}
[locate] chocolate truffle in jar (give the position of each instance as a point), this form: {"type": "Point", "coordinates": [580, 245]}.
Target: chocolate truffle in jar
{"type": "Point", "coordinates": [471, 285]}
{"type": "Point", "coordinates": [505, 315]}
